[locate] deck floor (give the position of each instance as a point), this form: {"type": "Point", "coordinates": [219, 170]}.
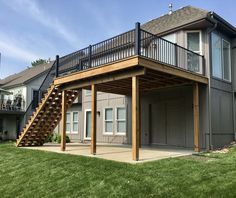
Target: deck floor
{"type": "Point", "coordinates": [121, 153]}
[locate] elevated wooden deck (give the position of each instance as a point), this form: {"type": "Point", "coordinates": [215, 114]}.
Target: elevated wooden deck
{"type": "Point", "coordinates": [116, 77]}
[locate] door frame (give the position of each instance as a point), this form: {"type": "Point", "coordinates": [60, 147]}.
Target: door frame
{"type": "Point", "coordinates": [85, 120]}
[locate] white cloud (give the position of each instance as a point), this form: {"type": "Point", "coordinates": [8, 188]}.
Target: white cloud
{"type": "Point", "coordinates": [10, 49]}
{"type": "Point", "coordinates": [31, 8]}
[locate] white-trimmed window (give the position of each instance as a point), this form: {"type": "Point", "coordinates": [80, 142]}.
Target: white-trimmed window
{"type": "Point", "coordinates": [221, 59]}
{"type": "Point", "coordinates": [194, 44]}
{"type": "Point", "coordinates": [87, 92]}
{"type": "Point", "coordinates": [108, 121]}
{"type": "Point", "coordinates": [75, 123]}
{"type": "Point", "coordinates": [72, 122]}
{"type": "Point", "coordinates": [68, 122]}
{"type": "Point", "coordinates": [120, 120]}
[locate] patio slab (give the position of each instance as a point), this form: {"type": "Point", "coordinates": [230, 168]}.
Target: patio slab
{"type": "Point", "coordinates": [121, 153]}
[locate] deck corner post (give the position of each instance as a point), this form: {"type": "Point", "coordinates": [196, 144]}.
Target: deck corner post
{"type": "Point", "coordinates": [137, 39]}
{"type": "Point", "coordinates": [196, 117]}
{"type": "Point", "coordinates": [57, 65]}
{"type": "Point", "coordinates": [63, 121]}
{"type": "Point", "coordinates": [135, 118]}
{"type": "Point", "coordinates": [90, 56]}
{"type": "Point", "coordinates": [94, 119]}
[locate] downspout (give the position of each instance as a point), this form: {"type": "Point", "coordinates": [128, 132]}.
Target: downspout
{"type": "Point", "coordinates": [233, 89]}
{"type": "Point", "coordinates": [209, 83]}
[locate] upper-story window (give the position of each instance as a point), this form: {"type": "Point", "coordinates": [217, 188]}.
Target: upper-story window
{"type": "Point", "coordinates": [221, 65]}
{"type": "Point", "coordinates": [193, 41]}
{"type": "Point", "coordinates": [194, 45]}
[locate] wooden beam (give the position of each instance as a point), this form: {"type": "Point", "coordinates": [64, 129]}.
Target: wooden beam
{"type": "Point", "coordinates": [135, 118]}
{"type": "Point", "coordinates": [63, 121]}
{"type": "Point", "coordinates": [196, 116]}
{"type": "Point", "coordinates": [180, 72]}
{"type": "Point", "coordinates": [101, 70]}
{"type": "Point", "coordinates": [105, 78]}
{"type": "Point", "coordinates": [94, 119]}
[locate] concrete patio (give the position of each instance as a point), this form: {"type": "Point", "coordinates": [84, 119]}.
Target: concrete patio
{"type": "Point", "coordinates": [121, 153]}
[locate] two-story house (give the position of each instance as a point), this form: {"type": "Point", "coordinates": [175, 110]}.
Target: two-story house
{"type": "Point", "coordinates": [170, 81]}
{"type": "Point", "coordinates": [16, 93]}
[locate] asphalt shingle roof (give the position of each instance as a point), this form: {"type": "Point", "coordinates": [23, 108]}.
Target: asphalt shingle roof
{"type": "Point", "coordinates": [24, 76]}
{"type": "Point", "coordinates": [178, 18]}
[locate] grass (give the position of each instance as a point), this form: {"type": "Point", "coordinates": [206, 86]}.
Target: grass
{"type": "Point", "coordinates": [30, 173]}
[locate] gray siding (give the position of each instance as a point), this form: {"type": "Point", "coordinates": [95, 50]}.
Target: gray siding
{"type": "Point", "coordinates": [167, 117]}
{"type": "Point", "coordinates": [105, 100]}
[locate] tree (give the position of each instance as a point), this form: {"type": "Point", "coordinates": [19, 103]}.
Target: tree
{"type": "Point", "coordinates": [38, 62]}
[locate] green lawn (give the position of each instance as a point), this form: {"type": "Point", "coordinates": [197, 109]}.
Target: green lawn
{"type": "Point", "coordinates": [28, 173]}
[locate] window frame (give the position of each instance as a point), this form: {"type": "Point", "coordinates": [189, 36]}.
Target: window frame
{"type": "Point", "coordinates": [200, 46]}
{"type": "Point", "coordinates": [88, 92]}
{"type": "Point", "coordinates": [85, 120]}
{"type": "Point", "coordinates": [222, 38]}
{"type": "Point", "coordinates": [104, 121]}
{"type": "Point", "coordinates": [212, 66]}
{"type": "Point", "coordinates": [72, 122]}
{"type": "Point", "coordinates": [68, 132]}
{"type": "Point", "coordinates": [222, 60]}
{"type": "Point", "coordinates": [200, 40]}
{"type": "Point", "coordinates": [117, 120]}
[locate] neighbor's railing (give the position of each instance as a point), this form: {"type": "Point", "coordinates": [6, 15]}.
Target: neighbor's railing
{"type": "Point", "coordinates": [131, 43]}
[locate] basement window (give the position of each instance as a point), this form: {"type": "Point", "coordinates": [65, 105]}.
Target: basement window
{"type": "Point", "coordinates": [120, 120]}
{"type": "Point", "coordinates": [108, 121]}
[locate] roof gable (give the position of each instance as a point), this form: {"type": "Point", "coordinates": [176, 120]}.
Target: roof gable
{"type": "Point", "coordinates": [178, 18]}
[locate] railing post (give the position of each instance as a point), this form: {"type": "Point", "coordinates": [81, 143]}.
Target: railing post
{"type": "Point", "coordinates": [80, 65]}
{"type": "Point", "coordinates": [137, 39]}
{"type": "Point", "coordinates": [57, 65]}
{"type": "Point", "coordinates": [90, 56]}
{"type": "Point", "coordinates": [203, 66]}
{"type": "Point", "coordinates": [176, 55]}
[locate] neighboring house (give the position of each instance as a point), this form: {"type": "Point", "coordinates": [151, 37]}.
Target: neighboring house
{"type": "Point", "coordinates": [178, 89]}
{"type": "Point", "coordinates": [18, 91]}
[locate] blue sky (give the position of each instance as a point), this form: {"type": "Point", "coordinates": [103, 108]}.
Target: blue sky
{"type": "Point", "coordinates": [32, 29]}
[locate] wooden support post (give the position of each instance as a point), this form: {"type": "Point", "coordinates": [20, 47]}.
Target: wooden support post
{"type": "Point", "coordinates": [63, 121]}
{"type": "Point", "coordinates": [196, 116]}
{"type": "Point", "coordinates": [94, 119]}
{"type": "Point", "coordinates": [135, 118]}
{"type": "Point", "coordinates": [140, 123]}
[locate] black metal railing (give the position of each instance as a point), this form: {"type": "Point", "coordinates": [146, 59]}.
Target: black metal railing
{"type": "Point", "coordinates": [41, 91]}
{"type": "Point", "coordinates": [168, 53]}
{"type": "Point", "coordinates": [134, 42]}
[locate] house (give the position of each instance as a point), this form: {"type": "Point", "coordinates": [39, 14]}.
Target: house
{"type": "Point", "coordinates": [16, 93]}
{"type": "Point", "coordinates": [170, 81]}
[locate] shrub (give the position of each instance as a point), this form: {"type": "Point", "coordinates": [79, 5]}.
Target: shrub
{"type": "Point", "coordinates": [49, 138]}
{"type": "Point", "coordinates": [67, 139]}
{"type": "Point", "coordinates": [57, 138]}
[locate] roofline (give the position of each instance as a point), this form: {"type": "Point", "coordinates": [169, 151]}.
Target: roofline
{"type": "Point", "coordinates": [211, 17]}
{"type": "Point", "coordinates": [25, 82]}
{"type": "Point", "coordinates": [182, 26]}
{"type": "Point", "coordinates": [223, 21]}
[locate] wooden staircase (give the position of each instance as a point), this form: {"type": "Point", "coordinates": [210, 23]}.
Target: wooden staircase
{"type": "Point", "coordinates": [45, 118]}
